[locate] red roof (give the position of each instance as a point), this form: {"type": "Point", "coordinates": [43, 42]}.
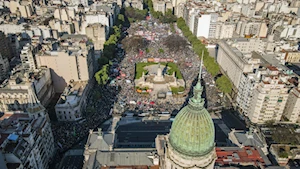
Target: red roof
{"type": "Point", "coordinates": [248, 155]}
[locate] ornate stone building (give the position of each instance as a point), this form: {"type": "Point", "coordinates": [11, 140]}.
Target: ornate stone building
{"type": "Point", "coordinates": [190, 144]}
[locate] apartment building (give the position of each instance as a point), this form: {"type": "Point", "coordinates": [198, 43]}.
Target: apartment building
{"type": "Point", "coordinates": [292, 56]}
{"type": "Point", "coordinates": [21, 8]}
{"type": "Point", "coordinates": [64, 14]}
{"type": "Point", "coordinates": [26, 138]}
{"type": "Point", "coordinates": [27, 59]}
{"type": "Point", "coordinates": [249, 28]}
{"type": "Point", "coordinates": [62, 26]}
{"type": "Point", "coordinates": [72, 101]}
{"type": "Point", "coordinates": [269, 97]}
{"type": "Point", "coordinates": [233, 62]}
{"type": "Point", "coordinates": [98, 34]}
{"type": "Point", "coordinates": [161, 5]}
{"type": "Point", "coordinates": [99, 17]}
{"type": "Point", "coordinates": [224, 30]}
{"type": "Point", "coordinates": [72, 59]}
{"type": "Point", "coordinates": [248, 83]}
{"type": "Point", "coordinates": [138, 4]}
{"type": "Point", "coordinates": [292, 107]}
{"type": "Point", "coordinates": [205, 25]}
{"type": "Point", "coordinates": [78, 2]}
{"type": "Point", "coordinates": [14, 90]}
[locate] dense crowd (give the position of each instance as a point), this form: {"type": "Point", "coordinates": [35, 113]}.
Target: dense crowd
{"type": "Point", "coordinates": [68, 133]}
{"type": "Point", "coordinates": [120, 92]}
{"type": "Point", "coordinates": [186, 60]}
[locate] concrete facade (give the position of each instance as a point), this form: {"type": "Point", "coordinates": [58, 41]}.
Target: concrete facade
{"type": "Point", "coordinates": [73, 61]}
{"type": "Point", "coordinates": [292, 107]}
{"type": "Point", "coordinates": [72, 102]}
{"type": "Point", "coordinates": [269, 98]}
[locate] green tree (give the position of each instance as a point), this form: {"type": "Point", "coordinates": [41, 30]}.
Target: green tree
{"type": "Point", "coordinates": [103, 61]}
{"type": "Point", "coordinates": [135, 14]}
{"type": "Point", "coordinates": [102, 75]}
{"type": "Point", "coordinates": [224, 84]}
{"type": "Point", "coordinates": [120, 19]}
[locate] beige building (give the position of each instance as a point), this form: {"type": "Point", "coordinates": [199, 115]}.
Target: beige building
{"type": "Point", "coordinates": [162, 5]}
{"type": "Point", "coordinates": [14, 91]}
{"type": "Point", "coordinates": [269, 98]}
{"type": "Point", "coordinates": [23, 8]}
{"type": "Point", "coordinates": [62, 26]}
{"type": "Point", "coordinates": [250, 28]}
{"type": "Point", "coordinates": [138, 4]}
{"type": "Point", "coordinates": [292, 56]}
{"type": "Point", "coordinates": [292, 107]}
{"type": "Point", "coordinates": [72, 102]}
{"type": "Point", "coordinates": [72, 60]}
{"type": "Point", "coordinates": [224, 30]}
{"type": "Point", "coordinates": [97, 33]}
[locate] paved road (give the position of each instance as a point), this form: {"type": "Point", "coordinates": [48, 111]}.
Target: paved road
{"type": "Point", "coordinates": [232, 121]}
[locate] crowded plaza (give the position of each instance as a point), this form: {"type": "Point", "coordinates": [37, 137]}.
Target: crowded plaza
{"type": "Point", "coordinates": [120, 94]}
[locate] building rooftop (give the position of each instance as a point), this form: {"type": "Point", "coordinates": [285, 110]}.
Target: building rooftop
{"type": "Point", "coordinates": [132, 135]}
{"type": "Point", "coordinates": [20, 76]}
{"type": "Point", "coordinates": [72, 93]}
{"type": "Point", "coordinates": [235, 155]}
{"type": "Point", "coordinates": [105, 159]}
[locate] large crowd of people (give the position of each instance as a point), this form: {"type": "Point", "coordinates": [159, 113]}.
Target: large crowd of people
{"type": "Point", "coordinates": [121, 91]}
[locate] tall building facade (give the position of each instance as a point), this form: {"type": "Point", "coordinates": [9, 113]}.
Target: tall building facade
{"type": "Point", "coordinates": [233, 62]}
{"type": "Point", "coordinates": [27, 58]}
{"type": "Point", "coordinates": [98, 34]}
{"type": "Point", "coordinates": [206, 25]}
{"type": "Point", "coordinates": [33, 145]}
{"type": "Point", "coordinates": [269, 98]}
{"type": "Point", "coordinates": [73, 60]}
{"type": "Point", "coordinates": [292, 107]}
{"type": "Point", "coordinates": [14, 91]}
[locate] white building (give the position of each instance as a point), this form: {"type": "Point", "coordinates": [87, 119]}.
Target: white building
{"type": "Point", "coordinates": [27, 58]}
{"type": "Point", "coordinates": [72, 102]}
{"type": "Point", "coordinates": [99, 17]}
{"type": "Point", "coordinates": [205, 25]}
{"type": "Point", "coordinates": [292, 107]}
{"type": "Point", "coordinates": [233, 62]}
{"type": "Point", "coordinates": [248, 83]}
{"type": "Point", "coordinates": [269, 97]}
{"type": "Point", "coordinates": [77, 2]}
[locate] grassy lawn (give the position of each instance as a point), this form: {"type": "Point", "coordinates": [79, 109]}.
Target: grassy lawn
{"type": "Point", "coordinates": [139, 69]}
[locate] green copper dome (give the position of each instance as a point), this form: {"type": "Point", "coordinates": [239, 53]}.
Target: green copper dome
{"type": "Point", "coordinates": [193, 132]}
